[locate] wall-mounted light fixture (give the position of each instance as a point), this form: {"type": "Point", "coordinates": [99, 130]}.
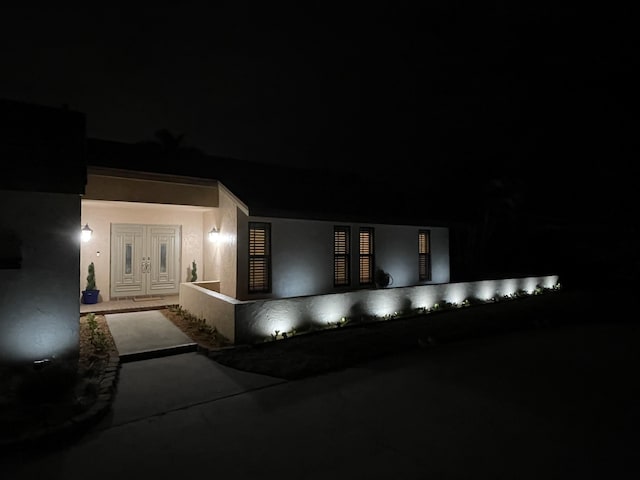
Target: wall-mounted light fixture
{"type": "Point", "coordinates": [86, 233]}
{"type": "Point", "coordinates": [213, 234]}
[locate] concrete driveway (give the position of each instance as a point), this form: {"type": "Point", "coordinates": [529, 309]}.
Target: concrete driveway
{"type": "Point", "coordinates": [545, 404]}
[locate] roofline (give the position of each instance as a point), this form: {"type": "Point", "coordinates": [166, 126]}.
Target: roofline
{"type": "Point", "coordinates": [143, 175]}
{"type": "Point", "coordinates": [166, 178]}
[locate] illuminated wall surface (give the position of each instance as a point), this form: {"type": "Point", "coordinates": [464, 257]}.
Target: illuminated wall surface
{"type": "Point", "coordinates": [302, 255]}
{"type": "Point", "coordinates": [197, 205]}
{"type": "Point", "coordinates": [39, 300]}
{"type": "Point", "coordinates": [255, 321]}
{"type": "Point", "coordinates": [100, 215]}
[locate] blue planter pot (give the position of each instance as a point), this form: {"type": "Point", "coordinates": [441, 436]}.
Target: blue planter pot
{"type": "Point", "coordinates": [90, 296]}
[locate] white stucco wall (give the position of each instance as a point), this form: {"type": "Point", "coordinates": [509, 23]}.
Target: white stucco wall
{"type": "Point", "coordinates": [230, 210]}
{"type": "Point", "coordinates": [255, 321]}
{"type": "Point", "coordinates": [302, 255]}
{"type": "Point", "coordinates": [101, 214]}
{"type": "Point", "coordinates": [218, 310]}
{"type": "Point", "coordinates": [39, 301]}
{"type": "Point", "coordinates": [208, 270]}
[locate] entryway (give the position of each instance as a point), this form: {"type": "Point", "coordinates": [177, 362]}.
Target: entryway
{"type": "Point", "coordinates": [139, 329]}
{"type": "Point", "coordinates": [145, 260]}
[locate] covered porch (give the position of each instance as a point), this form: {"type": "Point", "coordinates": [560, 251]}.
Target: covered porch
{"type": "Point", "coordinates": [148, 231]}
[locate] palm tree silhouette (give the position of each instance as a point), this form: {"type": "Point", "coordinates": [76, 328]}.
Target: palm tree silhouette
{"type": "Point", "coordinates": [168, 151]}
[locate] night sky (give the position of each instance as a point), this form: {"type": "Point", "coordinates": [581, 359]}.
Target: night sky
{"type": "Point", "coordinates": [538, 97]}
{"type": "Point", "coordinates": [517, 120]}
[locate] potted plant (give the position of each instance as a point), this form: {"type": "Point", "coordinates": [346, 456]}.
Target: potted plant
{"type": "Point", "coordinates": [90, 293]}
{"type": "Point", "coordinates": [194, 271]}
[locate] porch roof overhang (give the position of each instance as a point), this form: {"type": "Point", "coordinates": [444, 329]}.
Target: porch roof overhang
{"type": "Point", "coordinates": [146, 187]}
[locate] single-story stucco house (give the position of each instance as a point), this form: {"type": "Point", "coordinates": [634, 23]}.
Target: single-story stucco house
{"type": "Point", "coordinates": [149, 229]}
{"type": "Point", "coordinates": [258, 275]}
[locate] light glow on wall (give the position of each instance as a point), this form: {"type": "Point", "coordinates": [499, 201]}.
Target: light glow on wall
{"type": "Point", "coordinates": [457, 293]}
{"type": "Point", "coordinates": [383, 305]}
{"type": "Point", "coordinates": [327, 309]}
{"type": "Point", "coordinates": [280, 316]}
{"type": "Point", "coordinates": [260, 319]}
{"type": "Point", "coordinates": [40, 317]}
{"type": "Point", "coordinates": [36, 340]}
{"type": "Point", "coordinates": [529, 285]}
{"type": "Point", "coordinates": [299, 279]}
{"type": "Point", "coordinates": [507, 288]}
{"type": "Point", "coordinates": [217, 237]}
{"type": "Point", "coordinates": [425, 298]}
{"type": "Point", "coordinates": [486, 290]}
{"type": "Point", "coordinates": [86, 233]}
{"type": "Point", "coordinates": [281, 325]}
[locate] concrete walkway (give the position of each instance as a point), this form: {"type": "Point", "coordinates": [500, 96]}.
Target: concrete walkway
{"type": "Point", "coordinates": [155, 386]}
{"type": "Point", "coordinates": [146, 334]}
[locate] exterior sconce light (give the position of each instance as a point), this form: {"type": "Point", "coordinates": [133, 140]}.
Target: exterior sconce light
{"type": "Point", "coordinates": [86, 233]}
{"type": "Point", "coordinates": [213, 234]}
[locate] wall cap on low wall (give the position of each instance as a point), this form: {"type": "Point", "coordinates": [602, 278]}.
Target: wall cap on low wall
{"type": "Point", "coordinates": [211, 293]}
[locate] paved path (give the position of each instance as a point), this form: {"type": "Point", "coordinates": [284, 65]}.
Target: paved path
{"type": "Point", "coordinates": [146, 334]}
{"type": "Point", "coordinates": [546, 404]}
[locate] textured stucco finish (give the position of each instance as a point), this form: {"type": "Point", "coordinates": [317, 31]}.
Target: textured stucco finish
{"type": "Point", "coordinates": [226, 248]}
{"type": "Point", "coordinates": [216, 309]}
{"type": "Point", "coordinates": [39, 301]}
{"type": "Point", "coordinates": [255, 321]}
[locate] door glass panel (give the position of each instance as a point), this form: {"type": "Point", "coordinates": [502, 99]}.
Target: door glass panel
{"type": "Point", "coordinates": [127, 258]}
{"type": "Point", "coordinates": [163, 258]}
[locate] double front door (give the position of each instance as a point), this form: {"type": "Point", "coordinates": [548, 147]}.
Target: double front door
{"type": "Point", "coordinates": [145, 259]}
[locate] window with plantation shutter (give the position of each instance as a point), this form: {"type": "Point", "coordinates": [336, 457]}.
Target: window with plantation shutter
{"type": "Point", "coordinates": [367, 256]}
{"type": "Point", "coordinates": [424, 255]}
{"type": "Point", "coordinates": [341, 256]}
{"type": "Point", "coordinates": [259, 257]}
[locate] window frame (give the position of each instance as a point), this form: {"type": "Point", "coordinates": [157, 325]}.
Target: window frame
{"type": "Point", "coordinates": [264, 258]}
{"type": "Point", "coordinates": [366, 260]}
{"type": "Point", "coordinates": [424, 255]}
{"type": "Point", "coordinates": [342, 256]}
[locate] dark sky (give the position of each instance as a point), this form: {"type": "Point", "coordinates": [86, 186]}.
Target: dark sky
{"type": "Point", "coordinates": [464, 88]}
{"type": "Point", "coordinates": [289, 86]}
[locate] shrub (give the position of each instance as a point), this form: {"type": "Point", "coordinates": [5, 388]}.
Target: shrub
{"type": "Point", "coordinates": [97, 337]}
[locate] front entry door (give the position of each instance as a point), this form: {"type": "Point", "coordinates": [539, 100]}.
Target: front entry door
{"type": "Point", "coordinates": [145, 259]}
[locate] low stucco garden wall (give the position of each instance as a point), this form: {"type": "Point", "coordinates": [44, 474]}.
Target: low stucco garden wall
{"type": "Point", "coordinates": [203, 300]}
{"type": "Point", "coordinates": [245, 322]}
